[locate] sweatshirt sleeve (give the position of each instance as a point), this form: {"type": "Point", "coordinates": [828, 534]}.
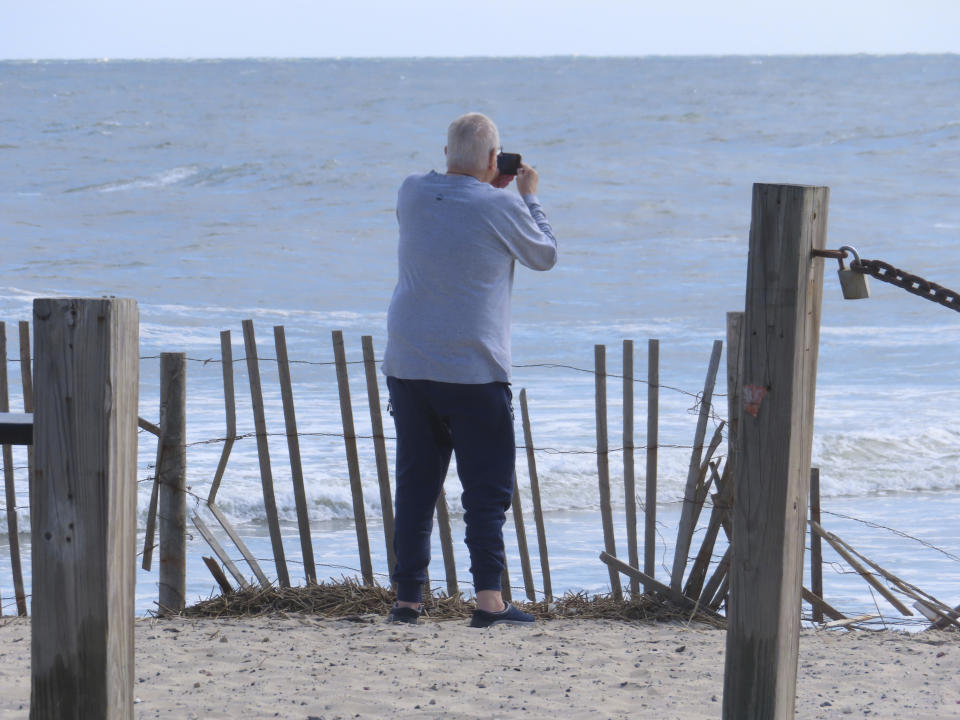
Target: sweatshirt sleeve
{"type": "Point", "coordinates": [531, 240]}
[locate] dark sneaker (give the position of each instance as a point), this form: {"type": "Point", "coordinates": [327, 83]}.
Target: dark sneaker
{"type": "Point", "coordinates": [508, 616]}
{"type": "Point", "coordinates": [403, 615]}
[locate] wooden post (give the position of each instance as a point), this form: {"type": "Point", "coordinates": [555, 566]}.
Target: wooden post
{"type": "Point", "coordinates": [446, 543]}
{"type": "Point", "coordinates": [263, 453]}
{"type": "Point", "coordinates": [690, 509]}
{"type": "Point", "coordinates": [13, 528]}
{"type": "Point", "coordinates": [629, 481]}
{"type": "Point", "coordinates": [353, 462]}
{"type": "Point", "coordinates": [379, 448]}
{"type": "Point", "coordinates": [172, 481]}
{"type": "Point", "coordinates": [816, 549]}
{"type": "Point", "coordinates": [603, 464]}
{"type": "Point", "coordinates": [535, 494]}
{"type": "Point", "coordinates": [26, 377]}
{"type": "Point", "coordinates": [781, 331]}
{"type": "Point", "coordinates": [653, 440]}
{"type": "Point", "coordinates": [84, 512]}
{"type": "Point", "coordinates": [293, 446]}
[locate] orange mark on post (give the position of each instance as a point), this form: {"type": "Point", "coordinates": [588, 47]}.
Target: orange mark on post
{"type": "Point", "coordinates": [752, 397]}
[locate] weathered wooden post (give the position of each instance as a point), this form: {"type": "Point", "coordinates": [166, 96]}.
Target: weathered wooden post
{"type": "Point", "coordinates": [84, 513]}
{"type": "Point", "coordinates": [172, 483]}
{"type": "Point", "coordinates": [781, 338]}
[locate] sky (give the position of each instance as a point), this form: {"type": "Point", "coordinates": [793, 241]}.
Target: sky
{"type": "Point", "coordinates": [98, 29]}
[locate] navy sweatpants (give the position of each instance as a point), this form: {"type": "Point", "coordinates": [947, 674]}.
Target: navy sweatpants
{"type": "Point", "coordinates": [432, 420]}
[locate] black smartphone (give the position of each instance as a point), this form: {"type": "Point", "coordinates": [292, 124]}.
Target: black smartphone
{"type": "Point", "coordinates": [508, 163]}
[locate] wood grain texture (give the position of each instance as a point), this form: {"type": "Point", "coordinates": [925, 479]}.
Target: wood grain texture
{"type": "Point", "coordinates": [172, 484]}
{"type": "Point", "coordinates": [781, 341]}
{"type": "Point", "coordinates": [263, 453]}
{"type": "Point", "coordinates": [84, 511]}
{"type": "Point", "coordinates": [816, 547]}
{"type": "Point", "coordinates": [293, 448]}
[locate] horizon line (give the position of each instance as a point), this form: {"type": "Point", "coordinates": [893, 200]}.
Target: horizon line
{"type": "Point", "coordinates": [585, 56]}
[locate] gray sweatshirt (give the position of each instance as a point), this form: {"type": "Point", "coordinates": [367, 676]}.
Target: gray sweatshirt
{"type": "Point", "coordinates": [449, 319]}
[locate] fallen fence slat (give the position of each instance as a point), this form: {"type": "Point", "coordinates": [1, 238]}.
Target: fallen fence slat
{"type": "Point", "coordinates": [687, 513]}
{"type": "Point", "coordinates": [668, 592]}
{"type": "Point", "coordinates": [218, 575]}
{"type": "Point", "coordinates": [241, 546]}
{"type": "Point", "coordinates": [219, 551]}
{"type": "Point", "coordinates": [864, 573]}
{"type": "Point", "coordinates": [820, 605]}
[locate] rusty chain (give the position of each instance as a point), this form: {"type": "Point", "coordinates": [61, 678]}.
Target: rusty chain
{"type": "Point", "coordinates": [887, 273]}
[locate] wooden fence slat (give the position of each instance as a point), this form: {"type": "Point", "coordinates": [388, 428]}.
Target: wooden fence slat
{"type": "Point", "coordinates": [654, 585]}
{"type": "Point", "coordinates": [353, 462]}
{"type": "Point", "coordinates": [263, 453]}
{"type": "Point", "coordinates": [13, 528]}
{"type": "Point", "coordinates": [653, 440]}
{"type": "Point", "coordinates": [603, 464]}
{"type": "Point", "coordinates": [505, 589]}
{"type": "Point", "coordinates": [217, 548]}
{"type": "Point", "coordinates": [230, 411]}
{"type": "Point", "coordinates": [26, 378]}
{"type": "Point", "coordinates": [535, 494]}
{"type": "Point", "coordinates": [689, 509]}
{"type": "Point", "coordinates": [293, 446]}
{"type": "Point", "coordinates": [379, 448]}
{"type": "Point", "coordinates": [721, 507]}
{"type": "Point", "coordinates": [816, 549]}
{"type": "Point", "coordinates": [524, 552]}
{"type": "Point", "coordinates": [863, 572]}
{"type": "Point", "coordinates": [172, 483]}
{"type": "Point", "coordinates": [150, 532]}
{"type": "Point", "coordinates": [629, 480]}
{"type": "Point", "coordinates": [446, 544]}
{"type": "Point", "coordinates": [241, 546]}
{"type": "Point", "coordinates": [218, 575]}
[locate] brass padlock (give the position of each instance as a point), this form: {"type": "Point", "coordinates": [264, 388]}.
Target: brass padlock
{"type": "Point", "coordinates": [853, 284]}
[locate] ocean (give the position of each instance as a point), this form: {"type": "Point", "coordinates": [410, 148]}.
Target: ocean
{"type": "Point", "coordinates": [216, 191]}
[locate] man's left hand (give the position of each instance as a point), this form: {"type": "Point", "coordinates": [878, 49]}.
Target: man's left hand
{"type": "Point", "coordinates": [501, 181]}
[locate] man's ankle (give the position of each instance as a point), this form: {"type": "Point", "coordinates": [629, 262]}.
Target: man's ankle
{"type": "Point", "coordinates": [408, 604]}
{"type": "Point", "coordinates": [490, 601]}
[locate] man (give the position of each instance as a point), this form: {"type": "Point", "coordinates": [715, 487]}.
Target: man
{"type": "Point", "coordinates": [447, 359]}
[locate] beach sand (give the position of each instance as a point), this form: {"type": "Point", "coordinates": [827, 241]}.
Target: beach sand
{"type": "Point", "coordinates": [305, 667]}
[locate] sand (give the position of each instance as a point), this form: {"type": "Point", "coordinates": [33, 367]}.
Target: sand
{"type": "Point", "coordinates": [313, 668]}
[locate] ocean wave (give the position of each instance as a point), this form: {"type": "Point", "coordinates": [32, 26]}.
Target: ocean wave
{"type": "Point", "coordinates": [161, 179]}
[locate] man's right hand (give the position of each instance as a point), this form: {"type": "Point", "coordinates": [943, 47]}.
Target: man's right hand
{"type": "Point", "coordinates": [527, 180]}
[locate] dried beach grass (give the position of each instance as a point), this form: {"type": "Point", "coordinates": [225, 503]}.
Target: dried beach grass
{"type": "Point", "coordinates": [348, 599]}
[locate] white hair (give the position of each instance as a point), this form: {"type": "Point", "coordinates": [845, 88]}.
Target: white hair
{"type": "Point", "coordinates": [470, 138]}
